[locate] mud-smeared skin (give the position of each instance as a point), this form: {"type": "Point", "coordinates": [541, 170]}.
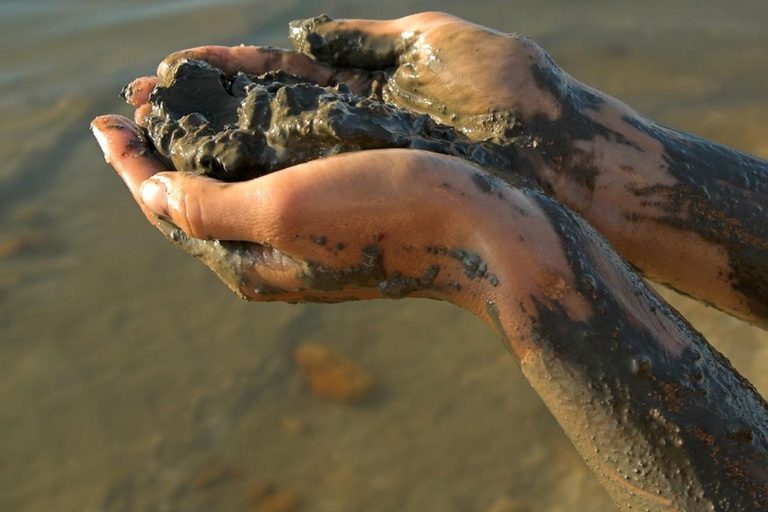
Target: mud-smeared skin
{"type": "Point", "coordinates": [238, 129]}
{"type": "Point", "coordinates": [331, 279]}
{"type": "Point", "coordinates": [686, 429]}
{"type": "Point", "coordinates": [474, 266]}
{"type": "Point", "coordinates": [722, 195]}
{"type": "Point", "coordinates": [368, 52]}
{"type": "Point", "coordinates": [555, 139]}
{"type": "Point", "coordinates": [399, 286]}
{"type": "Point", "coordinates": [231, 261]}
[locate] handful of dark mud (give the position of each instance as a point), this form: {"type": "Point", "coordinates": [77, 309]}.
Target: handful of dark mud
{"type": "Point", "coordinates": [239, 128]}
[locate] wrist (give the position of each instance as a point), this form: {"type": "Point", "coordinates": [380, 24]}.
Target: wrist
{"type": "Point", "coordinates": [525, 252]}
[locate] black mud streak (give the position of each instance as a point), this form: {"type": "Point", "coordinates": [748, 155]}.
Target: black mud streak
{"type": "Point", "coordinates": [686, 428]}
{"type": "Point", "coordinates": [553, 139]}
{"type": "Point", "coordinates": [454, 286]}
{"type": "Point", "coordinates": [474, 265]}
{"type": "Point", "coordinates": [327, 279]}
{"type": "Point", "coordinates": [721, 195]}
{"type": "Point", "coordinates": [240, 128]}
{"type": "Point", "coordinates": [399, 286]}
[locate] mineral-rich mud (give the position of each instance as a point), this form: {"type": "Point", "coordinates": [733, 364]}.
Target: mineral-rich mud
{"type": "Point", "coordinates": [240, 128]}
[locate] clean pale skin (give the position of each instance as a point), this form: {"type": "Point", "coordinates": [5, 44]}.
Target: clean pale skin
{"type": "Point", "coordinates": [640, 393]}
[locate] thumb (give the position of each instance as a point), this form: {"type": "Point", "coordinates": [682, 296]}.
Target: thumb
{"type": "Point", "coordinates": [202, 207]}
{"type": "Point", "coordinates": [363, 44]}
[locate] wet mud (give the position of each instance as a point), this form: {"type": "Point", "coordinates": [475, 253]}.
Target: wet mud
{"type": "Point", "coordinates": [247, 126]}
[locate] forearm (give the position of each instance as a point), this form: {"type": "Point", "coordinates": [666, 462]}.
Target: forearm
{"type": "Point", "coordinates": [657, 413]}
{"type": "Point", "coordinates": [684, 211]}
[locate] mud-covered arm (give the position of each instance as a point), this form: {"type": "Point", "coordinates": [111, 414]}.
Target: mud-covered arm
{"type": "Point", "coordinates": [684, 211]}
{"type": "Point", "coordinates": [658, 414]}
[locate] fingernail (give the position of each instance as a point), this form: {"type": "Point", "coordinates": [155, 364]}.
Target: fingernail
{"type": "Point", "coordinates": [100, 138]}
{"type": "Point", "coordinates": [155, 196]}
{"type": "Point", "coordinates": [162, 69]}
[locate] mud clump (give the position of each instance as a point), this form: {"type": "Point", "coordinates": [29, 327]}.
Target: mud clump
{"type": "Point", "coordinates": [239, 128]}
{"type": "Point", "coordinates": [333, 375]}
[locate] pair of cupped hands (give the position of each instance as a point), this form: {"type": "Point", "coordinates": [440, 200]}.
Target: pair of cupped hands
{"type": "Point", "coordinates": [397, 199]}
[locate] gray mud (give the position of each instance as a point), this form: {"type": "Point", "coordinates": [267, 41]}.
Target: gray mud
{"type": "Point", "coordinates": [247, 126]}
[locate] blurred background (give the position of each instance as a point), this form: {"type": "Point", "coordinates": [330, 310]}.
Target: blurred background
{"type": "Point", "coordinates": [132, 380]}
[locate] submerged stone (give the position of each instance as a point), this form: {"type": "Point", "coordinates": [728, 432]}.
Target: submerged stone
{"type": "Point", "coordinates": [333, 375]}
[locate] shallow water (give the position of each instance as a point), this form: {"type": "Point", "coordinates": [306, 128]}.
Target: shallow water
{"type": "Point", "coordinates": [127, 369]}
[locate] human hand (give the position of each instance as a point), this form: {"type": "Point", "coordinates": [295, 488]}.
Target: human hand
{"type": "Point", "coordinates": [463, 74]}
{"type": "Point", "coordinates": [379, 223]}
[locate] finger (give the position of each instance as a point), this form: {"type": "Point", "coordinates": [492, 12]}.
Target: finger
{"type": "Point", "coordinates": [367, 44]}
{"type": "Point", "coordinates": [254, 60]}
{"type": "Point", "coordinates": [203, 207]}
{"type": "Point", "coordinates": [141, 113]}
{"type": "Point", "coordinates": [275, 207]}
{"type": "Point", "coordinates": [125, 149]}
{"type": "Point", "coordinates": [137, 92]}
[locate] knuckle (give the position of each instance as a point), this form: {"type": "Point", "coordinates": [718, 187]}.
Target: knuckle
{"type": "Point", "coordinates": [274, 58]}
{"type": "Point", "coordinates": [187, 212]}
{"type": "Point", "coordinates": [194, 214]}
{"type": "Point", "coordinates": [284, 215]}
{"type": "Point", "coordinates": [431, 17]}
